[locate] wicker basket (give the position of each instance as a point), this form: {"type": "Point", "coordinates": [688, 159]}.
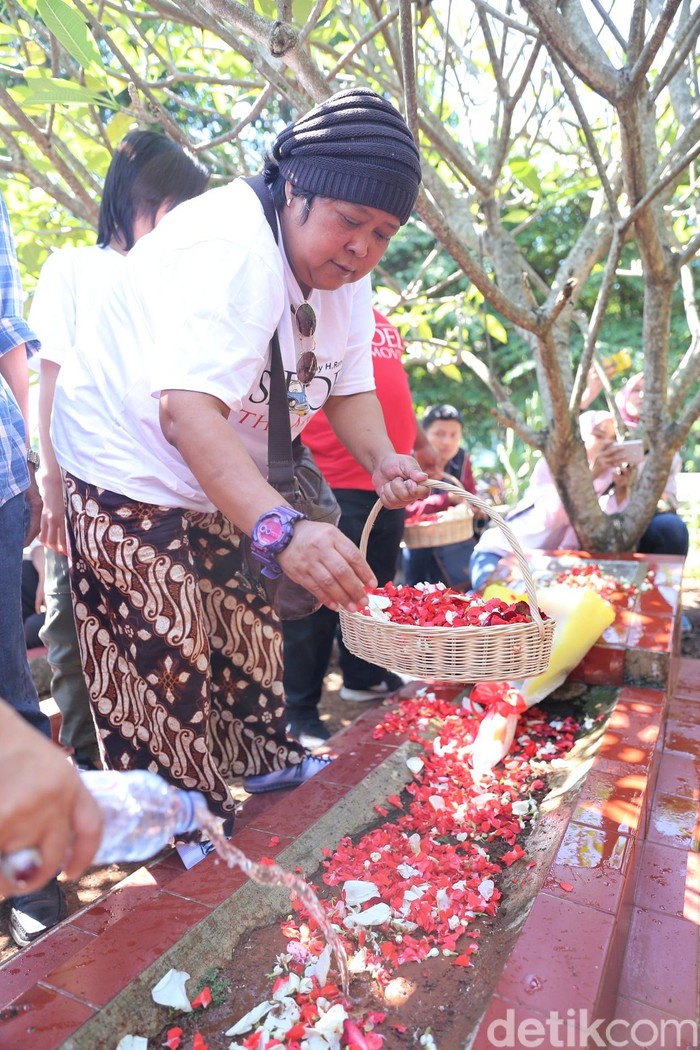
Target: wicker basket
{"type": "Point", "coordinates": [449, 527]}
{"type": "Point", "coordinates": [454, 654]}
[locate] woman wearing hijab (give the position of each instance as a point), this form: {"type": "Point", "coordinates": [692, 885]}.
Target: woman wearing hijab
{"type": "Point", "coordinates": [540, 520]}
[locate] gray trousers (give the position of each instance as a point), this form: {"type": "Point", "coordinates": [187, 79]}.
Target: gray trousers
{"type": "Point", "coordinates": [67, 683]}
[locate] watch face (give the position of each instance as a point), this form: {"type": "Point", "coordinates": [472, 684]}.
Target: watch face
{"type": "Point", "coordinates": [269, 531]}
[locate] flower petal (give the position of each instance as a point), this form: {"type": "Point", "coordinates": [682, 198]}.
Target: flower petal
{"type": "Point", "coordinates": [170, 991]}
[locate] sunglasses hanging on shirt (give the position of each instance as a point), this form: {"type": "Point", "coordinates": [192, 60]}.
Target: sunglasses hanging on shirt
{"type": "Point", "coordinates": [307, 362]}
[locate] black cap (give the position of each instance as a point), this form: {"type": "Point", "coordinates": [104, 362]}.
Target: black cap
{"type": "Point", "coordinates": [356, 147]}
{"type": "Point", "coordinates": [431, 415]}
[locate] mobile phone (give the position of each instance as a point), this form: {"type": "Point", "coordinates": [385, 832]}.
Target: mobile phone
{"type": "Point", "coordinates": [633, 452]}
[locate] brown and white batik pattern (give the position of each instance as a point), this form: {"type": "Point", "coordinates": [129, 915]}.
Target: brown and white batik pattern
{"type": "Point", "coordinates": [183, 661]}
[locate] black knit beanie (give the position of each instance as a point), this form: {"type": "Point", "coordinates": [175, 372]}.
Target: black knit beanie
{"type": "Point", "coordinates": [354, 147]}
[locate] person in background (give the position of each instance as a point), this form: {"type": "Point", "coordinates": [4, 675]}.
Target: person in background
{"type": "Point", "coordinates": [666, 533]}
{"type": "Point", "coordinates": [43, 806]}
{"type": "Point", "coordinates": [38, 909]}
{"type": "Point", "coordinates": [449, 563]}
{"type": "Point", "coordinates": [149, 175]}
{"type": "Point", "coordinates": [33, 614]}
{"type": "Point", "coordinates": [539, 520]}
{"type": "Point", "coordinates": [308, 642]}
{"type": "Point", "coordinates": [160, 424]}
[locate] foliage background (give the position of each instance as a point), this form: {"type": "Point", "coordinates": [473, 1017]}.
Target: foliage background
{"type": "Point", "coordinates": [559, 218]}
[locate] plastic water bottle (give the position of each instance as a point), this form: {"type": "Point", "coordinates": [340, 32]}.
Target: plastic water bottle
{"type": "Point", "coordinates": [141, 812]}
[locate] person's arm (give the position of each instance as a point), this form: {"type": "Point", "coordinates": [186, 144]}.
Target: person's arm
{"type": "Point", "coordinates": [358, 421]}
{"type": "Point", "coordinates": [53, 520]}
{"type": "Point", "coordinates": [319, 556]}
{"type": "Point", "coordinates": [43, 805]}
{"type": "Point", "coordinates": [14, 370]}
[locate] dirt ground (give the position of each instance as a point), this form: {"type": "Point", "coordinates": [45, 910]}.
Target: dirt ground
{"type": "Point", "coordinates": [337, 714]}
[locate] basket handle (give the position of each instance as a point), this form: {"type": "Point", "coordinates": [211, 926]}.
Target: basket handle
{"type": "Point", "coordinates": [482, 505]}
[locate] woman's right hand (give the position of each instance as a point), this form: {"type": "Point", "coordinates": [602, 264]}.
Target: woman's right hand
{"type": "Point", "coordinates": [327, 563]}
{"type": "Point", "coordinates": [53, 517]}
{"type": "Point", "coordinates": [608, 458]}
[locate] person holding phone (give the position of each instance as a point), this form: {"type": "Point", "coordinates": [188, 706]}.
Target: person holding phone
{"type": "Point", "coordinates": [540, 520]}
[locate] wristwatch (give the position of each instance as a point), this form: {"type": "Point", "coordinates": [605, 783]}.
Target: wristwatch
{"type": "Point", "coordinates": [272, 533]}
{"type": "Point", "coordinates": [33, 458]}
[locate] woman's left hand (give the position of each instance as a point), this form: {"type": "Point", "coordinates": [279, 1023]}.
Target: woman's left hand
{"type": "Point", "coordinates": [399, 480]}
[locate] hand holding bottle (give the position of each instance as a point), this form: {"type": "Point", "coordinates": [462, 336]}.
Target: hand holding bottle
{"type": "Point", "coordinates": [46, 814]}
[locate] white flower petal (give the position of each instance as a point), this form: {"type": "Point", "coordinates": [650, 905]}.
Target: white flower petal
{"type": "Point", "coordinates": [358, 962]}
{"type": "Point", "coordinates": [132, 1042]}
{"type": "Point", "coordinates": [357, 892]}
{"type": "Point", "coordinates": [442, 899]}
{"type": "Point", "coordinates": [314, 1040]}
{"type": "Point", "coordinates": [373, 916]}
{"type": "Point", "coordinates": [331, 1022]}
{"type": "Point", "coordinates": [170, 991]}
{"type": "Point", "coordinates": [251, 1018]}
{"type": "Point", "coordinates": [406, 871]}
{"type": "Point", "coordinates": [319, 967]}
{"type": "Point", "coordinates": [486, 888]}
{"type": "Point", "coordinates": [415, 763]}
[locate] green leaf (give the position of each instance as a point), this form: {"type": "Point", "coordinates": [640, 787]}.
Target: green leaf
{"type": "Point", "coordinates": [516, 215]}
{"type": "Point", "coordinates": [118, 126]}
{"type": "Point", "coordinates": [452, 372]}
{"type": "Point", "coordinates": [525, 173]}
{"type": "Point", "coordinates": [49, 92]}
{"type": "Point", "coordinates": [70, 29]}
{"type": "Point", "coordinates": [495, 328]}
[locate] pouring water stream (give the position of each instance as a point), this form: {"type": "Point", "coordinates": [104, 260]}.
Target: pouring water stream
{"type": "Point", "coordinates": [271, 874]}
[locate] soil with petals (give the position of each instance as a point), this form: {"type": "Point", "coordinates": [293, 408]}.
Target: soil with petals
{"type": "Point", "coordinates": [434, 996]}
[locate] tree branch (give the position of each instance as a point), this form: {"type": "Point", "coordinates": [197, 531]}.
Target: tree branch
{"type": "Point", "coordinates": [646, 56]}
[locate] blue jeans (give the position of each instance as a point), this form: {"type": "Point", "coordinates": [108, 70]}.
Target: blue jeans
{"type": "Point", "coordinates": [481, 567]}
{"type": "Point", "coordinates": [308, 643]}
{"type": "Point", "coordinates": [16, 683]}
{"type": "Point", "coordinates": [666, 533]}
{"type": "Point", "coordinates": [67, 682]}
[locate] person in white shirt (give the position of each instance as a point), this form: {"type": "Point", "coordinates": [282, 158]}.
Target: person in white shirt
{"type": "Point", "coordinates": [161, 429]}
{"type": "Point", "coordinates": [148, 175]}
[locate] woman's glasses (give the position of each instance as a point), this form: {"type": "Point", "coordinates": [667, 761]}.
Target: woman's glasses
{"type": "Point", "coordinates": [307, 362]}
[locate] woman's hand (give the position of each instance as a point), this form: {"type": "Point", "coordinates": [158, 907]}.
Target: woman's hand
{"type": "Point", "coordinates": [399, 480]}
{"type": "Point", "coordinates": [327, 563]}
{"type": "Point", "coordinates": [623, 478]}
{"type": "Point", "coordinates": [53, 516]}
{"type": "Point", "coordinates": [43, 806]}
{"type": "Point", "coordinates": [610, 457]}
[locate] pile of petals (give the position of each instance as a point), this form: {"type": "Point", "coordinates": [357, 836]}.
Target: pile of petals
{"type": "Point", "coordinates": [433, 868]}
{"type": "Point", "coordinates": [450, 514]}
{"type": "Point", "coordinates": [607, 585]}
{"type": "Point", "coordinates": [435, 605]}
{"type": "Point", "coordinates": [415, 886]}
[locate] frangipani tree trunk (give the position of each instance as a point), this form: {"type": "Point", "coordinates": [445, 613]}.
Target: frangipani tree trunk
{"type": "Point", "coordinates": [519, 108]}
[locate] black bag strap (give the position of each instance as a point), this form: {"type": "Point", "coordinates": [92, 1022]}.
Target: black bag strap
{"type": "Point", "coordinates": [280, 461]}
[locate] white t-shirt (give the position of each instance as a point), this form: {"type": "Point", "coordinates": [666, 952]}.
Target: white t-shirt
{"type": "Point", "coordinates": [68, 296]}
{"type": "Point", "coordinates": [194, 308]}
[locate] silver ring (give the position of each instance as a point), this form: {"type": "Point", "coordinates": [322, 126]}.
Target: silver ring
{"type": "Point", "coordinates": [21, 866]}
